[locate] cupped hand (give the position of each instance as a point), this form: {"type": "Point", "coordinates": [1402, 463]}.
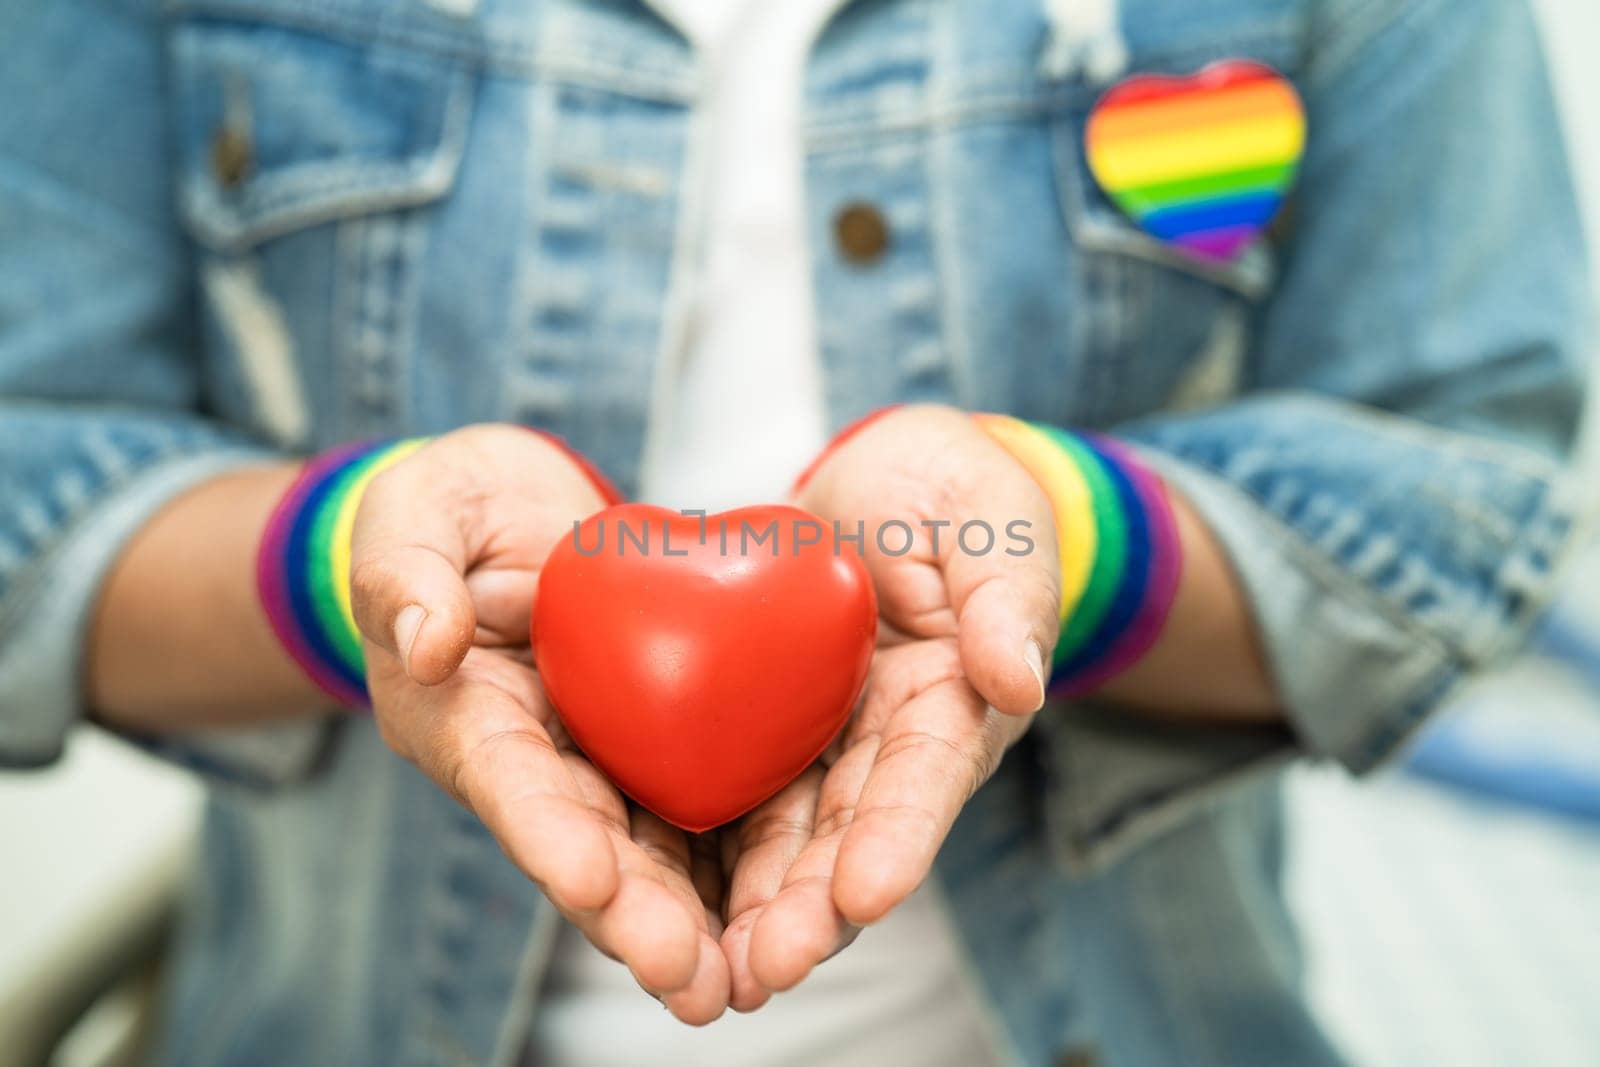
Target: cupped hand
{"type": "Point", "coordinates": [964, 638]}
{"type": "Point", "coordinates": [445, 560]}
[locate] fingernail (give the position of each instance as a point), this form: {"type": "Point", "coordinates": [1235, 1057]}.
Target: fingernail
{"type": "Point", "coordinates": [1033, 655]}
{"type": "Point", "coordinates": [407, 625]}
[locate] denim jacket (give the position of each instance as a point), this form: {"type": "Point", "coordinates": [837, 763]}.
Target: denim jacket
{"type": "Point", "coordinates": [237, 228]}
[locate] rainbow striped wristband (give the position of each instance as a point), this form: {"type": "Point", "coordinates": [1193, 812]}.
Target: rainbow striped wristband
{"type": "Point", "coordinates": [1118, 542]}
{"type": "Point", "coordinates": [303, 565]}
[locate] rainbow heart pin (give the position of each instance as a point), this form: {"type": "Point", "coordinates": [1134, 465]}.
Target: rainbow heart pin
{"type": "Point", "coordinates": [1199, 162]}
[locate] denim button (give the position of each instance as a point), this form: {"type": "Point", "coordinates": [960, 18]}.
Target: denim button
{"type": "Point", "coordinates": [861, 232]}
{"type": "Point", "coordinates": [231, 156]}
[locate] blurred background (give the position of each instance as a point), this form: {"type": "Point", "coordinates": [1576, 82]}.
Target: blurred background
{"type": "Point", "coordinates": [1450, 905]}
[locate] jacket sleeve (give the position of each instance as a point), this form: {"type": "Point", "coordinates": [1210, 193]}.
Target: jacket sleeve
{"type": "Point", "coordinates": [1393, 490]}
{"type": "Point", "coordinates": [100, 420]}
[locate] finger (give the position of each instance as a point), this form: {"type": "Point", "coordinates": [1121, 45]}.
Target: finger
{"type": "Point", "coordinates": [646, 927]}
{"type": "Point", "coordinates": [745, 993]}
{"type": "Point", "coordinates": [705, 998]}
{"type": "Point", "coordinates": [1007, 595]}
{"type": "Point", "coordinates": [664, 843]}
{"type": "Point", "coordinates": [654, 921]}
{"type": "Point", "coordinates": [673, 854]}
{"type": "Point", "coordinates": [501, 597]}
{"type": "Point", "coordinates": [408, 553]}
{"type": "Point", "coordinates": [933, 755]}
{"type": "Point", "coordinates": [972, 511]}
{"type": "Point", "coordinates": [898, 676]}
{"type": "Point", "coordinates": [800, 926]}
{"type": "Point", "coordinates": [768, 841]}
{"type": "Point", "coordinates": [913, 593]}
{"type": "Point", "coordinates": [479, 736]}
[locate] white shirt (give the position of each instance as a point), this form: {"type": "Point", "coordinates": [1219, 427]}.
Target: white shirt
{"type": "Point", "coordinates": [744, 415]}
{"type": "Point", "coordinates": [746, 410]}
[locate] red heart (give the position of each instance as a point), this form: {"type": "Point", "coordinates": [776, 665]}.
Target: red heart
{"type": "Point", "coordinates": [701, 667]}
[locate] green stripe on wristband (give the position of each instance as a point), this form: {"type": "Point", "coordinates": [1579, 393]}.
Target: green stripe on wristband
{"type": "Point", "coordinates": [1111, 552]}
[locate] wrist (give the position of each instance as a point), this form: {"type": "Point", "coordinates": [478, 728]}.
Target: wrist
{"type": "Point", "coordinates": [583, 466]}
{"type": "Point", "coordinates": [1120, 554]}
{"type": "Point", "coordinates": [838, 441]}
{"type": "Point", "coordinates": [303, 565]}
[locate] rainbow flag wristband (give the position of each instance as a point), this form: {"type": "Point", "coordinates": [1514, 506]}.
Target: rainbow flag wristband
{"type": "Point", "coordinates": [1119, 550]}
{"type": "Point", "coordinates": [303, 565]}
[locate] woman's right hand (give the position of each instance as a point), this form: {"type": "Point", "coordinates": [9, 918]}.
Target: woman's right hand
{"type": "Point", "coordinates": [445, 559]}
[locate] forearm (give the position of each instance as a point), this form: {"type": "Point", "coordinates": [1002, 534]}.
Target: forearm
{"type": "Point", "coordinates": [1208, 662]}
{"type": "Point", "coordinates": [178, 637]}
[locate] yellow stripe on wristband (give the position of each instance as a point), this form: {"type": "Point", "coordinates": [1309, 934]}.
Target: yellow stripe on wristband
{"type": "Point", "coordinates": [345, 522]}
{"type": "Point", "coordinates": [1070, 497]}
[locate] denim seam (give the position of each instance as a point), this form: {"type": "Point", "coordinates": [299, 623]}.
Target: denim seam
{"type": "Point", "coordinates": [539, 122]}
{"type": "Point", "coordinates": [1382, 740]}
{"type": "Point", "coordinates": [1249, 278]}
{"type": "Point", "coordinates": [298, 196]}
{"type": "Point", "coordinates": [345, 299]}
{"type": "Point", "coordinates": [381, 264]}
{"type": "Point", "coordinates": [995, 93]}
{"type": "Point", "coordinates": [1266, 35]}
{"type": "Point", "coordinates": [38, 553]}
{"type": "Point", "coordinates": [990, 1017]}
{"type": "Point", "coordinates": [430, 964]}
{"type": "Point", "coordinates": [173, 455]}
{"type": "Point", "coordinates": [1313, 560]}
{"type": "Point", "coordinates": [830, 134]}
{"type": "Point", "coordinates": [1095, 845]}
{"type": "Point", "coordinates": [414, 233]}
{"type": "Point", "coordinates": [1446, 664]}
{"type": "Point", "coordinates": [515, 1029]}
{"type": "Point", "coordinates": [511, 56]}
{"type": "Point", "coordinates": [1519, 460]}
{"type": "Point", "coordinates": [1544, 515]}
{"type": "Point", "coordinates": [1334, 52]}
{"type": "Point", "coordinates": [1557, 533]}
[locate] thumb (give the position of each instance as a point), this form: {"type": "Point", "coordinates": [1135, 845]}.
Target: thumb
{"type": "Point", "coordinates": [407, 561]}
{"type": "Point", "coordinates": [1004, 580]}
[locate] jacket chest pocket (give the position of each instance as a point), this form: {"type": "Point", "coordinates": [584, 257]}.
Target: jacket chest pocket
{"type": "Point", "coordinates": [1052, 303]}
{"type": "Point", "coordinates": [1161, 328]}
{"type": "Point", "coordinates": [305, 169]}
{"type": "Point", "coordinates": [1158, 328]}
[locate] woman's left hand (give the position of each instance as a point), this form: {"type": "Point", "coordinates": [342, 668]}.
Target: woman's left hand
{"type": "Point", "coordinates": [959, 673]}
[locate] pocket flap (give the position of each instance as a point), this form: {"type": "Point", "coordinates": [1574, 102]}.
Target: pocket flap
{"type": "Point", "coordinates": [279, 129]}
{"type": "Point", "coordinates": [1099, 225]}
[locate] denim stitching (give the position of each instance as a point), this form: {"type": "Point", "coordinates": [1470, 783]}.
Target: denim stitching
{"type": "Point", "coordinates": [509, 54]}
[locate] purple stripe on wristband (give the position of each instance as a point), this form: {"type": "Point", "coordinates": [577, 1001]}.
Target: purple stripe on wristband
{"type": "Point", "coordinates": [273, 579]}
{"type": "Point", "coordinates": [1161, 587]}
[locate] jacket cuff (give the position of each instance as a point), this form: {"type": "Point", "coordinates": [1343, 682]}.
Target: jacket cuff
{"type": "Point", "coordinates": [41, 658]}
{"type": "Point", "coordinates": [1357, 678]}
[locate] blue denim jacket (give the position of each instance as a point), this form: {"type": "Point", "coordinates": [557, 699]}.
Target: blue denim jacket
{"type": "Point", "coordinates": [231, 228]}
